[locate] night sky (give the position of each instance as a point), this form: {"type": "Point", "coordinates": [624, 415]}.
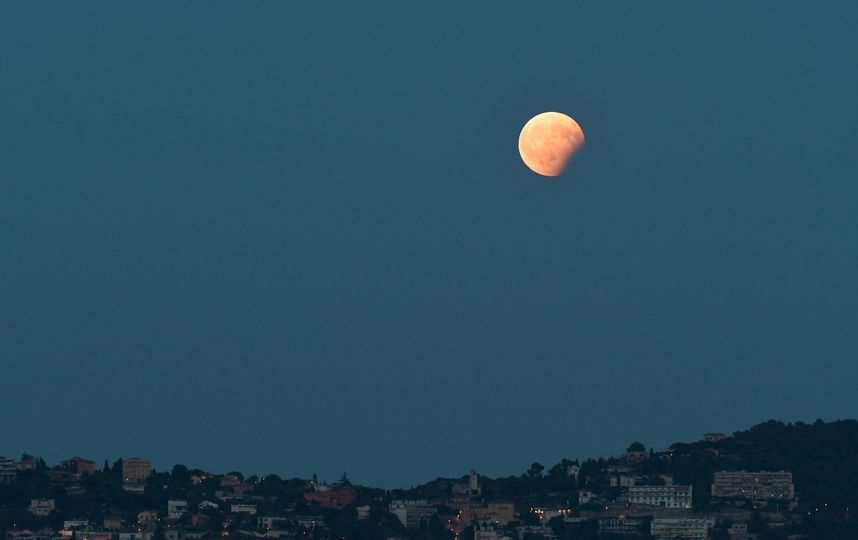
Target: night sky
{"type": "Point", "coordinates": [297, 237]}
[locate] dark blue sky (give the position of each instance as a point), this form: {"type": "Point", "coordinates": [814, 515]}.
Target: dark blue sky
{"type": "Point", "coordinates": [297, 237]}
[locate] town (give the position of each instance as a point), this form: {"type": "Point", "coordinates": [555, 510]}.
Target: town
{"type": "Point", "coordinates": [773, 481]}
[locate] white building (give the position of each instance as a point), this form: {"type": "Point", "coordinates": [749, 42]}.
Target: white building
{"type": "Point", "coordinates": [674, 528]}
{"type": "Point", "coordinates": [176, 508]}
{"type": "Point", "coordinates": [667, 496]}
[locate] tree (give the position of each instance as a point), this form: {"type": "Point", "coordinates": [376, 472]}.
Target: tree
{"type": "Point", "coordinates": [344, 480]}
{"type": "Point", "coordinates": [636, 447]}
{"type": "Point", "coordinates": [180, 474]}
{"type": "Point", "coordinates": [535, 470]}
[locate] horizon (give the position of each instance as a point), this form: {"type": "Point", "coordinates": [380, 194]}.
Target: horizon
{"type": "Point", "coordinates": [161, 468]}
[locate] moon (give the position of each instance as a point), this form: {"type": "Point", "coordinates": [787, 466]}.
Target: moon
{"type": "Point", "coordinates": [548, 141]}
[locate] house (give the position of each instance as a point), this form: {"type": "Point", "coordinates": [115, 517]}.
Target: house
{"type": "Point", "coordinates": [249, 509]}
{"type": "Point", "coordinates": [270, 522]}
{"type": "Point", "coordinates": [75, 524]}
{"type": "Point", "coordinates": [496, 512]}
{"type": "Point", "coordinates": [147, 516]}
{"type": "Point", "coordinates": [585, 496]}
{"type": "Point", "coordinates": [692, 528]}
{"type": "Point", "coordinates": [41, 507]}
{"type": "Point", "coordinates": [738, 531]}
{"type": "Point", "coordinates": [714, 437]}
{"type": "Point", "coordinates": [229, 480]}
{"type": "Point", "coordinates": [78, 465]}
{"type": "Point", "coordinates": [113, 523]}
{"type": "Point", "coordinates": [337, 497]}
{"type": "Point", "coordinates": [546, 532]}
{"type": "Point", "coordinates": [200, 520]}
{"type": "Point", "coordinates": [28, 464]}
{"type": "Point", "coordinates": [413, 514]}
{"type": "Point", "coordinates": [8, 471]}
{"type": "Point", "coordinates": [547, 514]}
{"type": "Point", "coordinates": [136, 536]}
{"type": "Point", "coordinates": [136, 470]}
{"type": "Point", "coordinates": [621, 525]}
{"type": "Point", "coordinates": [176, 508]}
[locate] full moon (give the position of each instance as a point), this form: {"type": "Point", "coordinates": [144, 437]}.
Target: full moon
{"type": "Point", "coordinates": [548, 141]}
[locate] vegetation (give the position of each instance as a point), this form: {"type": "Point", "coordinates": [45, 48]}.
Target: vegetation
{"type": "Point", "coordinates": [823, 458]}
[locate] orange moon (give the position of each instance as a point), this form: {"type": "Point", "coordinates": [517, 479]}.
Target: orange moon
{"type": "Point", "coordinates": [548, 141]}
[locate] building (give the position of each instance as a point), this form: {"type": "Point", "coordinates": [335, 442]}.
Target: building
{"type": "Point", "coordinates": [28, 464]}
{"type": "Point", "coordinates": [176, 508]}
{"type": "Point", "coordinates": [496, 512]}
{"type": "Point", "coordinates": [637, 455]}
{"type": "Point", "coordinates": [200, 520]}
{"type": "Point", "coordinates": [147, 516]}
{"type": "Point", "coordinates": [136, 470]}
{"type": "Point", "coordinates": [485, 533]}
{"type": "Point", "coordinates": [675, 496]}
{"type": "Point", "coordinates": [93, 535]}
{"type": "Point", "coordinates": [621, 525]}
{"type": "Point", "coordinates": [753, 485]}
{"type": "Point", "coordinates": [675, 528]}
{"type": "Point", "coordinates": [42, 507]}
{"type": "Point", "coordinates": [623, 480]}
{"type": "Point", "coordinates": [738, 531]}
{"type": "Point", "coordinates": [543, 530]}
{"type": "Point", "coordinates": [714, 437]}
{"type": "Point", "coordinates": [363, 512]}
{"type": "Point", "coordinates": [243, 509]}
{"type": "Point", "coordinates": [471, 488]}
{"type": "Point", "coordinates": [78, 465]}
{"type": "Point", "coordinates": [585, 496]}
{"type": "Point", "coordinates": [474, 484]}
{"type": "Point", "coordinates": [136, 536]}
{"type": "Point", "coordinates": [311, 522]}
{"type": "Point", "coordinates": [8, 471]}
{"type": "Point", "coordinates": [270, 522]}
{"type": "Point", "coordinates": [337, 497]}
{"type": "Point", "coordinates": [413, 514]}
{"type": "Point", "coordinates": [113, 523]}
{"type": "Point", "coordinates": [547, 514]}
